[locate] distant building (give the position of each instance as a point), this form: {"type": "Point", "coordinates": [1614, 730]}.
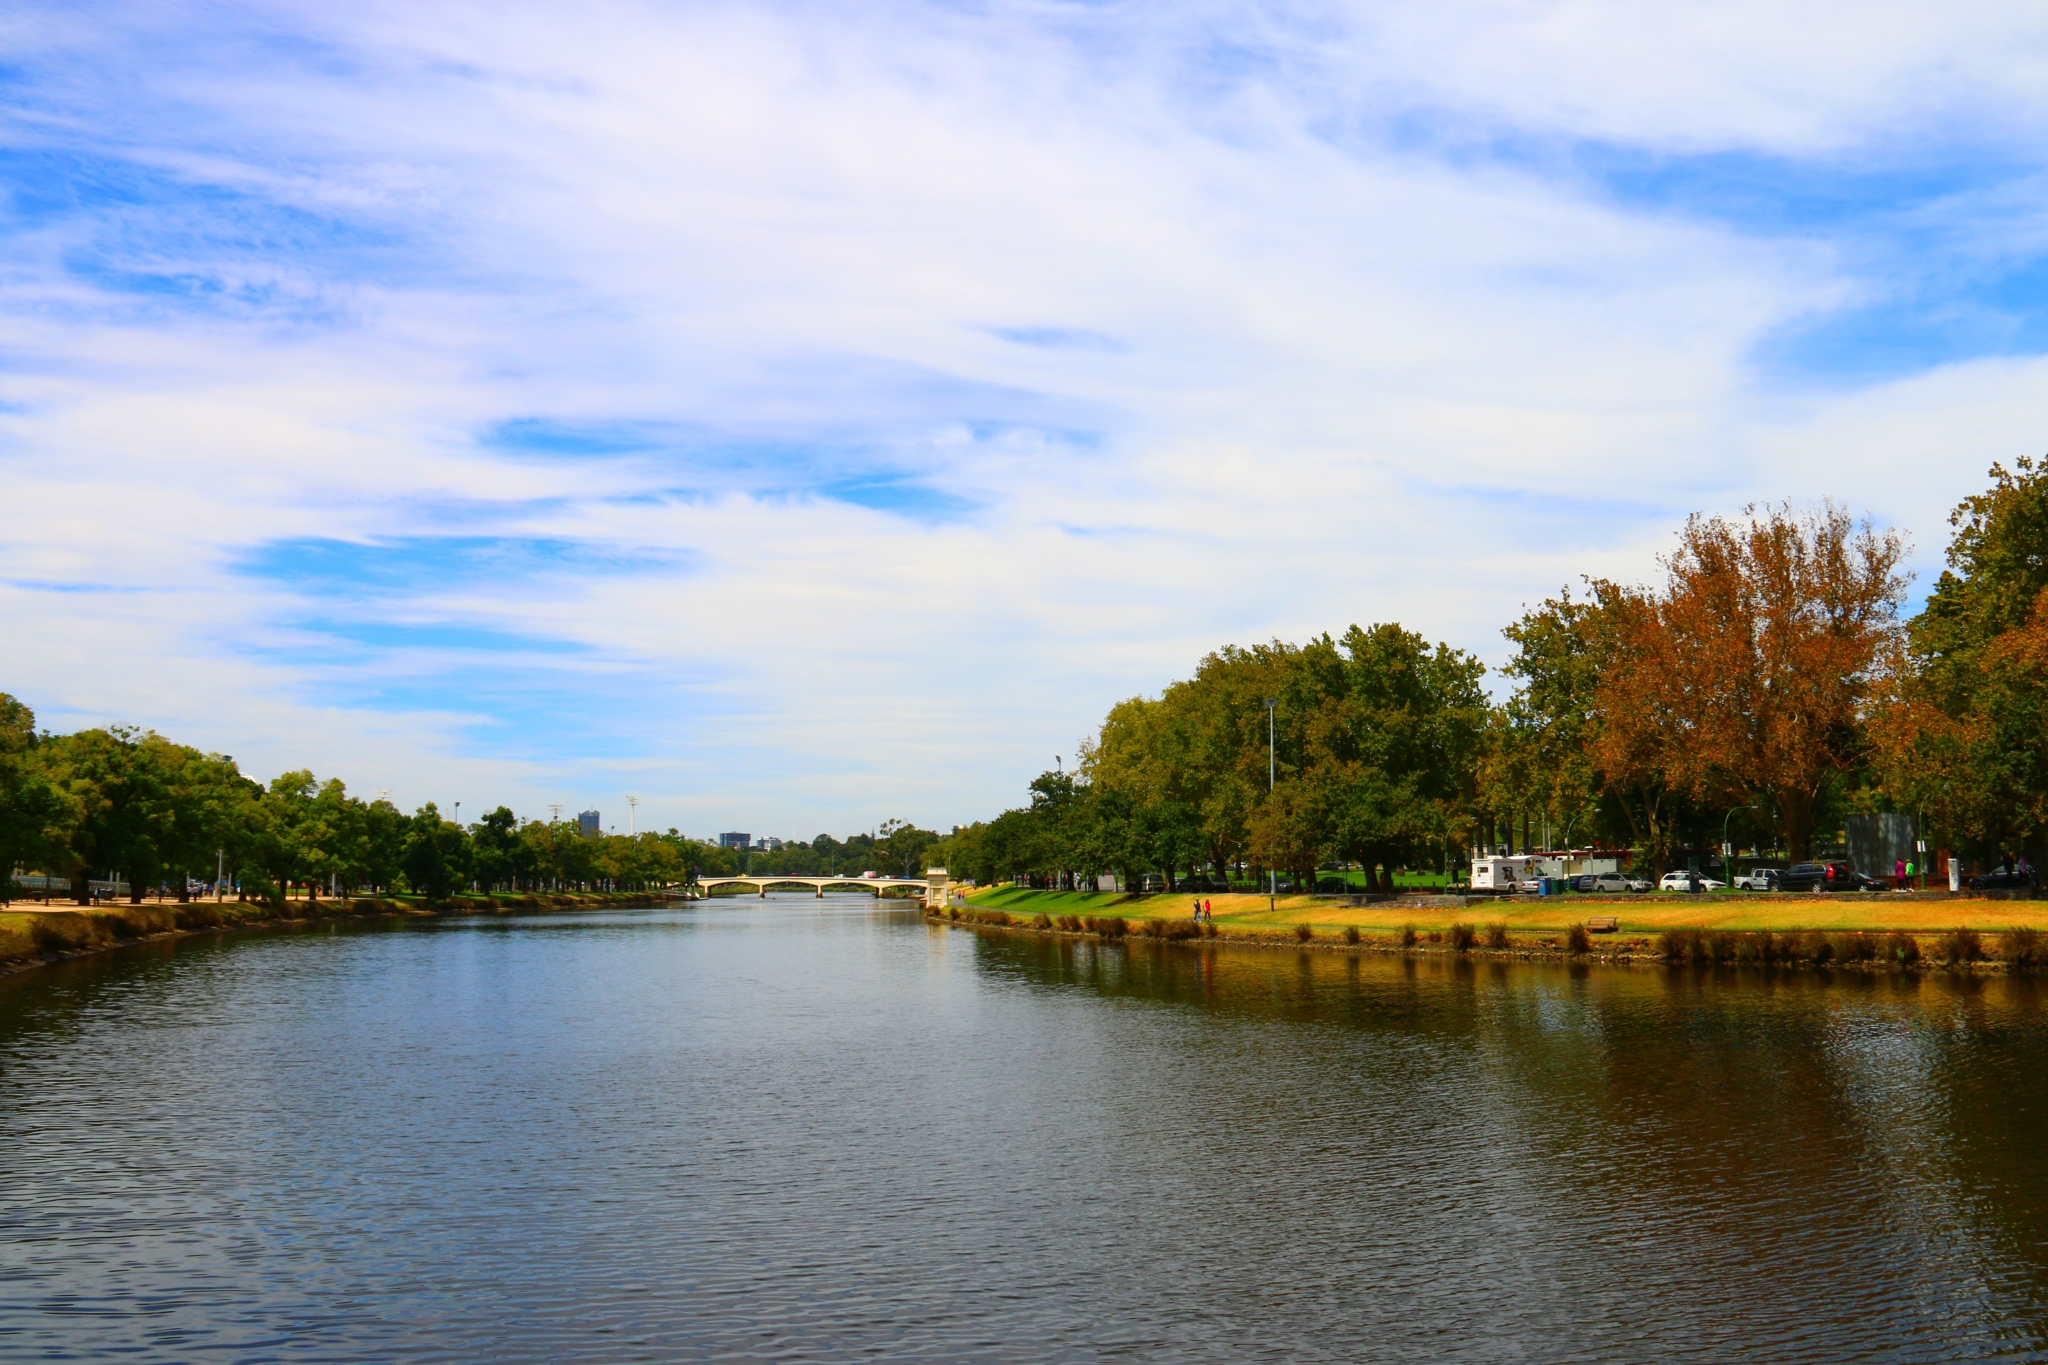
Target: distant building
{"type": "Point", "coordinates": [735, 840]}
{"type": "Point", "coordinates": [587, 824]}
{"type": "Point", "coordinates": [769, 843]}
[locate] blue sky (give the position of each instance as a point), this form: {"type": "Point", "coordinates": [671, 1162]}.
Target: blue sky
{"type": "Point", "coordinates": [800, 416]}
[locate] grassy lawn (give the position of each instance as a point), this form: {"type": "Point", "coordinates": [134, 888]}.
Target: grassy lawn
{"type": "Point", "coordinates": [1638, 914]}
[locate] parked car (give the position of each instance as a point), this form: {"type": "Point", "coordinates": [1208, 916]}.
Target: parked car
{"type": "Point", "coordinates": [1759, 879]}
{"type": "Point", "coordinates": [1828, 876]}
{"type": "Point", "coordinates": [2003, 878]}
{"type": "Point", "coordinates": [1688, 881]}
{"type": "Point", "coordinates": [1615, 881]}
{"type": "Point", "coordinates": [1585, 881]}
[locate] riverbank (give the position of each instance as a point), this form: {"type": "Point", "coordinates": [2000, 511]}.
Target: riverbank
{"type": "Point", "coordinates": [1650, 913]}
{"type": "Point", "coordinates": [2013, 944]}
{"type": "Point", "coordinates": [31, 938]}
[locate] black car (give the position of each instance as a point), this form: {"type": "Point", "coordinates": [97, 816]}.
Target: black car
{"type": "Point", "coordinates": [1829, 876]}
{"type": "Point", "coordinates": [2003, 879]}
{"type": "Point", "coordinates": [1585, 881]}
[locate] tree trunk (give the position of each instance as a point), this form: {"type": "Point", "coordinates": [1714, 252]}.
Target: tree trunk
{"type": "Point", "coordinates": [81, 888]}
{"type": "Point", "coordinates": [1796, 811]}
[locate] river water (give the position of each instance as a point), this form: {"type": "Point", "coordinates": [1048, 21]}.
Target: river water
{"type": "Point", "coordinates": [802, 1129]}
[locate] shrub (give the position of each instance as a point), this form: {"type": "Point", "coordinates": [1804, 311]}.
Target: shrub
{"type": "Point", "coordinates": [1462, 937]}
{"type": "Point", "coordinates": [59, 933]}
{"type": "Point", "coordinates": [1760, 947]}
{"type": "Point", "coordinates": [1208, 929]}
{"type": "Point", "coordinates": [1901, 949]}
{"type": "Point", "coordinates": [1408, 939]}
{"type": "Point", "coordinates": [1961, 945]}
{"type": "Point", "coordinates": [1303, 933]}
{"type": "Point", "coordinates": [1815, 947]}
{"type": "Point", "coordinates": [1041, 921]}
{"type": "Point", "coordinates": [197, 915]}
{"type": "Point", "coordinates": [2020, 947]}
{"type": "Point", "coordinates": [1674, 945]}
{"type": "Point", "coordinates": [1853, 947]}
{"type": "Point", "coordinates": [1112, 927]}
{"type": "Point", "coordinates": [1351, 933]}
{"type": "Point", "coordinates": [1577, 941]}
{"type": "Point", "coordinates": [953, 913]}
{"type": "Point", "coordinates": [1717, 946]}
{"type": "Point", "coordinates": [1497, 934]}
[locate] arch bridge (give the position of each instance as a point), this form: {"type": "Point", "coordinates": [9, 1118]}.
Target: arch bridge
{"type": "Point", "coordinates": [923, 886]}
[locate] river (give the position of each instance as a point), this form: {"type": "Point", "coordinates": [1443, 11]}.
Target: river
{"type": "Point", "coordinates": [801, 1129]}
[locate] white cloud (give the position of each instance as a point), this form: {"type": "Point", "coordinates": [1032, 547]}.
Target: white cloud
{"type": "Point", "coordinates": [1322, 377]}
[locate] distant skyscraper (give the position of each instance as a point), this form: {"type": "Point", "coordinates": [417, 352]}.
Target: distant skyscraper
{"type": "Point", "coordinates": [734, 840]}
{"type": "Point", "coordinates": [587, 824]}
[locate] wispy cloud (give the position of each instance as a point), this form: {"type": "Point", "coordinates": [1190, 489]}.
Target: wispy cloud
{"type": "Point", "coordinates": [805, 415]}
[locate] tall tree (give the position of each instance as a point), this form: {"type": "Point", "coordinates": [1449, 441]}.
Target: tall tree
{"type": "Point", "coordinates": [36, 814]}
{"type": "Point", "coordinates": [1745, 678]}
{"type": "Point", "coordinates": [1959, 735]}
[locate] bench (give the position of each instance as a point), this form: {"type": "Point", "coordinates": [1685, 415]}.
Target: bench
{"type": "Point", "coordinates": [1603, 924]}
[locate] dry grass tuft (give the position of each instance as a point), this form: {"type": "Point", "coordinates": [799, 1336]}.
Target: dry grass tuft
{"type": "Point", "coordinates": [1576, 941]}
{"type": "Point", "coordinates": [1351, 933]}
{"type": "Point", "coordinates": [2020, 947]}
{"type": "Point", "coordinates": [1497, 934]}
{"type": "Point", "coordinates": [1303, 933]}
{"type": "Point", "coordinates": [1463, 936]}
{"type": "Point", "coordinates": [1408, 939]}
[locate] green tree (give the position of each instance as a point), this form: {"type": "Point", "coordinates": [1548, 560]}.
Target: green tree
{"type": "Point", "coordinates": [36, 815]}
{"type": "Point", "coordinates": [1959, 733]}
{"type": "Point", "coordinates": [120, 802]}
{"type": "Point", "coordinates": [436, 856]}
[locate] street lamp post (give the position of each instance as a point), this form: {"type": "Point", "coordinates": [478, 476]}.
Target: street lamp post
{"type": "Point", "coordinates": [1272, 873]}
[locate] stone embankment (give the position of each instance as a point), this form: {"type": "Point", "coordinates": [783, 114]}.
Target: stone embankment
{"type": "Point", "coordinates": [30, 938]}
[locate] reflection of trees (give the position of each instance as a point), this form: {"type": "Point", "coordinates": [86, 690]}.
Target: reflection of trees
{"type": "Point", "coordinates": [1781, 1153]}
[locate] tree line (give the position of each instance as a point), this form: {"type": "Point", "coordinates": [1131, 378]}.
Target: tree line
{"type": "Point", "coordinates": [128, 805]}
{"type": "Point", "coordinates": [122, 804]}
{"type": "Point", "coordinates": [1767, 686]}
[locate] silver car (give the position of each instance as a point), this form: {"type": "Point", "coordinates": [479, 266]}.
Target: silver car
{"type": "Point", "coordinates": [1616, 882]}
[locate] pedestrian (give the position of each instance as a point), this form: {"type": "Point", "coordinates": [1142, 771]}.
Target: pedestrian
{"type": "Point", "coordinates": [1899, 870]}
{"type": "Point", "coordinates": [1209, 911]}
{"type": "Point", "coordinates": [1198, 909]}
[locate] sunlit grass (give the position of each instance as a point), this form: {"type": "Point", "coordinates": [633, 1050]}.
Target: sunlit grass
{"type": "Point", "coordinates": [1647, 914]}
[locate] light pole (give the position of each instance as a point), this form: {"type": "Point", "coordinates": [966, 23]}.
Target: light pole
{"type": "Point", "coordinates": [633, 814]}
{"type": "Point", "coordinates": [1727, 853]}
{"type": "Point", "coordinates": [1272, 873]}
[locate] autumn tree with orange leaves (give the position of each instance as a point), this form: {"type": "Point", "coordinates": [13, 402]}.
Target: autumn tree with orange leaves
{"type": "Point", "coordinates": [1745, 678]}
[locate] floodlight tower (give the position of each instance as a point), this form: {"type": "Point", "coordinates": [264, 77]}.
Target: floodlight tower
{"type": "Point", "coordinates": [633, 816]}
